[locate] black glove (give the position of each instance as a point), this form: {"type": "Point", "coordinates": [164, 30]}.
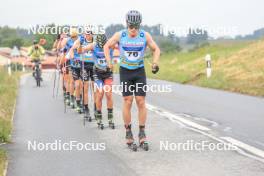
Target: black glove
{"type": "Point", "coordinates": [108, 69]}
{"type": "Point", "coordinates": [155, 68]}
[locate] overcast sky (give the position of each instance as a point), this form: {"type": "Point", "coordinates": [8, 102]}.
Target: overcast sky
{"type": "Point", "coordinates": [244, 15]}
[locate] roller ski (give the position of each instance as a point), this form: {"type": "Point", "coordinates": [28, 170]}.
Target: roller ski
{"type": "Point", "coordinates": [130, 140]}
{"type": "Point", "coordinates": [99, 120]}
{"type": "Point", "coordinates": [110, 119]}
{"type": "Point", "coordinates": [142, 139]}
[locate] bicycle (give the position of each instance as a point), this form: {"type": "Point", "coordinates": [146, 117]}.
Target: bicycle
{"type": "Point", "coordinates": [37, 72]}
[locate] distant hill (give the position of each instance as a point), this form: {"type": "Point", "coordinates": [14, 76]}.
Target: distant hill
{"type": "Point", "coordinates": [257, 34]}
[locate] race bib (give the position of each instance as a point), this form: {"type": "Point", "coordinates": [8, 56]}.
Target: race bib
{"type": "Point", "coordinates": [132, 55]}
{"type": "Point", "coordinates": [101, 62]}
{"type": "Point", "coordinates": [88, 54]}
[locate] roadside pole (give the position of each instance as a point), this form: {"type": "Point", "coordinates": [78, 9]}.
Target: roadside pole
{"type": "Point", "coordinates": [208, 65]}
{"type": "Point", "coordinates": [9, 67]}
{"type": "Point", "coordinates": [23, 69]}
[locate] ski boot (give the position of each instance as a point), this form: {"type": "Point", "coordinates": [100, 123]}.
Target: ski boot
{"type": "Point", "coordinates": [72, 102]}
{"type": "Point", "coordinates": [87, 115]}
{"type": "Point", "coordinates": [110, 119]}
{"type": "Point", "coordinates": [130, 140]}
{"type": "Point", "coordinates": [67, 99]}
{"type": "Point", "coordinates": [78, 107]}
{"type": "Point", "coordinates": [98, 118]}
{"type": "Point", "coordinates": [142, 138]}
{"type": "Point", "coordinates": [64, 95]}
{"type": "Point", "coordinates": [82, 108]}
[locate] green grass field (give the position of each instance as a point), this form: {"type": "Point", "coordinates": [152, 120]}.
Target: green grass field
{"type": "Point", "coordinates": [2, 161]}
{"type": "Point", "coordinates": [8, 93]}
{"type": "Point", "coordinates": [237, 67]}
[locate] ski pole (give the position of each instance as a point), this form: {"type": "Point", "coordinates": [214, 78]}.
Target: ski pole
{"type": "Point", "coordinates": [63, 79]}
{"type": "Point", "coordinates": [82, 75]}
{"type": "Point", "coordinates": [58, 85]}
{"type": "Point", "coordinates": [55, 75]}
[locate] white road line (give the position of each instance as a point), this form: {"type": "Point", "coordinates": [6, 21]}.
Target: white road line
{"type": "Point", "coordinates": [239, 150]}
{"type": "Point", "coordinates": [176, 117]}
{"type": "Point", "coordinates": [244, 146]}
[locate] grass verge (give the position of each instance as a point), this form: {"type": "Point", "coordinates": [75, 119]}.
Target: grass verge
{"type": "Point", "coordinates": [8, 94]}
{"type": "Point", "coordinates": [237, 67]}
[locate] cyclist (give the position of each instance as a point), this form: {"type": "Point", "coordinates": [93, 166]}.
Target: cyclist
{"type": "Point", "coordinates": [35, 53]}
{"type": "Point", "coordinates": [86, 69]}
{"type": "Point", "coordinates": [103, 79]}
{"type": "Point", "coordinates": [132, 44]}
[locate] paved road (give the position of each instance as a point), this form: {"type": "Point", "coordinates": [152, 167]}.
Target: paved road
{"type": "Point", "coordinates": [40, 118]}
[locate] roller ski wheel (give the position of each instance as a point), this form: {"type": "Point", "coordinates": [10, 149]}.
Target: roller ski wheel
{"type": "Point", "coordinates": [132, 146]}
{"type": "Point", "coordinates": [100, 125]}
{"type": "Point", "coordinates": [89, 119]}
{"type": "Point", "coordinates": [144, 145]}
{"type": "Point", "coordinates": [111, 125]}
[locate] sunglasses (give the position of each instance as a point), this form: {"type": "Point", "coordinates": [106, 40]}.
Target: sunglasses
{"type": "Point", "coordinates": [89, 33]}
{"type": "Point", "coordinates": [133, 26]}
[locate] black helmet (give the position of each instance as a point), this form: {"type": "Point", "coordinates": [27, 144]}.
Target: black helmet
{"type": "Point", "coordinates": [101, 40]}
{"type": "Point", "coordinates": [133, 17]}
{"type": "Point", "coordinates": [35, 42]}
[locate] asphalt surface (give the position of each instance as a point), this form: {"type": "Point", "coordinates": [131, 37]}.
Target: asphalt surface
{"type": "Point", "coordinates": [41, 118]}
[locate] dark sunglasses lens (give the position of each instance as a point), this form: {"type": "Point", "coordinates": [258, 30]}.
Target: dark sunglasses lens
{"type": "Point", "coordinates": [133, 26]}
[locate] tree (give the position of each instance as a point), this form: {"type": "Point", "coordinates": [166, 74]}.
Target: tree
{"type": "Point", "coordinates": [11, 42]}
{"type": "Point", "coordinates": [113, 28]}
{"type": "Point", "coordinates": [197, 36]}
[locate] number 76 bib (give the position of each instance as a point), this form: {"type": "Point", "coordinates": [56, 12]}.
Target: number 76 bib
{"type": "Point", "coordinates": [132, 55]}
